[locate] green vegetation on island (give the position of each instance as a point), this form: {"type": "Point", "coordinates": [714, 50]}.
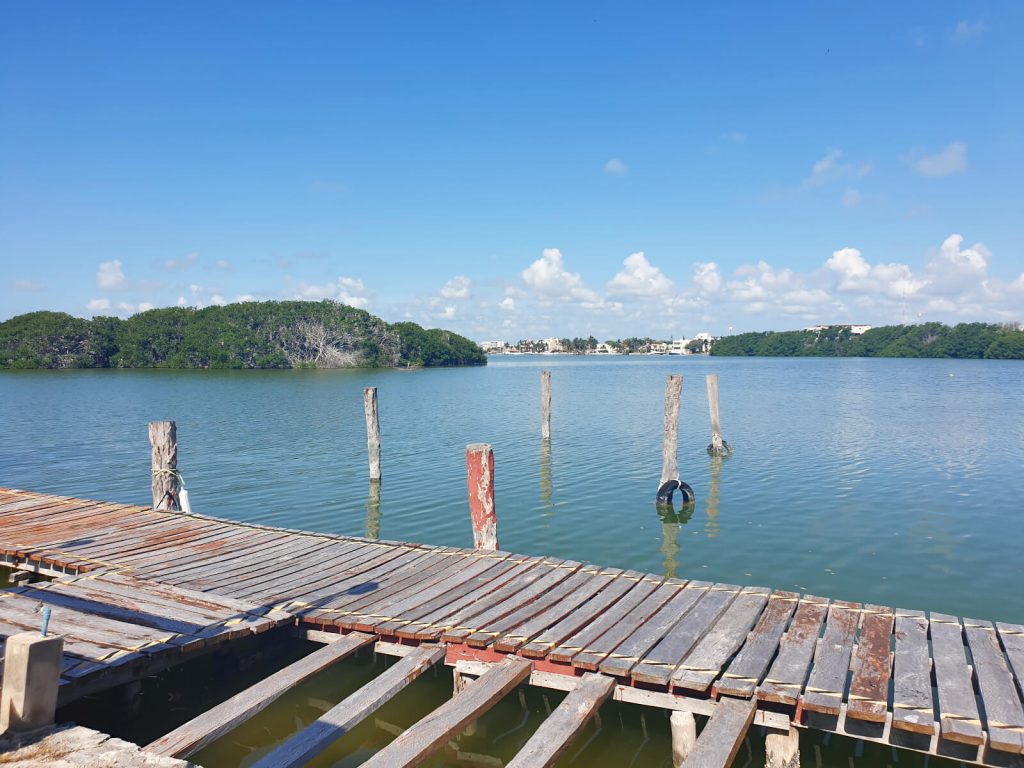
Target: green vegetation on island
{"type": "Point", "coordinates": [269, 334]}
{"type": "Point", "coordinates": [966, 340]}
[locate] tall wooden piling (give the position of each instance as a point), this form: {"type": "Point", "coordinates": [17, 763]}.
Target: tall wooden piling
{"type": "Point", "coordinates": [545, 405]}
{"type": "Point", "coordinates": [372, 432]}
{"type": "Point", "coordinates": [480, 479]}
{"type": "Point", "coordinates": [670, 443]}
{"type": "Point", "coordinates": [718, 446]}
{"type": "Point", "coordinates": [782, 749]}
{"type": "Point", "coordinates": [684, 735]}
{"type": "Point", "coordinates": [163, 437]}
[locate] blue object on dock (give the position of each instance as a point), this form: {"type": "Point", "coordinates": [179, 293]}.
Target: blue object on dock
{"type": "Point", "coordinates": [46, 620]}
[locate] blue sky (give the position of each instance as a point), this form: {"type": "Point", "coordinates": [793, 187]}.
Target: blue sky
{"type": "Point", "coordinates": [518, 169]}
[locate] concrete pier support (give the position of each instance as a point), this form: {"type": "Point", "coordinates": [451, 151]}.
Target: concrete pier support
{"type": "Point", "coordinates": [31, 679]}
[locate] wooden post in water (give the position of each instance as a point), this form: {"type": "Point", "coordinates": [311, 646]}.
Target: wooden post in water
{"type": "Point", "coordinates": [684, 735]}
{"type": "Point", "coordinates": [545, 405]}
{"type": "Point", "coordinates": [480, 479]}
{"type": "Point", "coordinates": [163, 436]}
{"type": "Point", "coordinates": [718, 446]}
{"type": "Point", "coordinates": [372, 432]}
{"type": "Point", "coordinates": [782, 749]}
{"type": "Point", "coordinates": [670, 443]}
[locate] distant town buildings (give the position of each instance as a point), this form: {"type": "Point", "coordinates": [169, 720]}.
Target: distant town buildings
{"type": "Point", "coordinates": [700, 344]}
{"type": "Point", "coordinates": [856, 330]}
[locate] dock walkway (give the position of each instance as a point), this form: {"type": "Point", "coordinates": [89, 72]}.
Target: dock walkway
{"type": "Point", "coordinates": [144, 585]}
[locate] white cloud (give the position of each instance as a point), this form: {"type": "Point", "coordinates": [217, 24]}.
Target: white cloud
{"type": "Point", "coordinates": [967, 31]}
{"type": "Point", "coordinates": [347, 290]}
{"type": "Point", "coordinates": [27, 286]}
{"type": "Point", "coordinates": [952, 159]}
{"type": "Point", "coordinates": [181, 262]}
{"type": "Point", "coordinates": [182, 301]}
{"type": "Point", "coordinates": [831, 168]}
{"type": "Point", "coordinates": [128, 308]}
{"type": "Point", "coordinates": [549, 278]}
{"type": "Point", "coordinates": [242, 298]}
{"type": "Point", "coordinates": [508, 303]}
{"type": "Point", "coordinates": [218, 300]}
{"type": "Point", "coordinates": [970, 260]}
{"type": "Point", "coordinates": [638, 277]}
{"type": "Point", "coordinates": [109, 275]}
{"type": "Point", "coordinates": [760, 281]}
{"type": "Point", "coordinates": [458, 287]}
{"type": "Point", "coordinates": [615, 167]}
{"type": "Point", "coordinates": [448, 313]}
{"type": "Point", "coordinates": [707, 277]}
{"type": "Point", "coordinates": [97, 305]}
{"type": "Point", "coordinates": [851, 198]}
{"type": "Point", "coordinates": [856, 275]}
{"type": "Point", "coordinates": [225, 265]}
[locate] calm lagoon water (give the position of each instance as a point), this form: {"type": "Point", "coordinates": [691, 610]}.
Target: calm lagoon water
{"type": "Point", "coordinates": [896, 482]}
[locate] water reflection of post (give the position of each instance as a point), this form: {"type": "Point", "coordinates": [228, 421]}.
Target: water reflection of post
{"type": "Point", "coordinates": [545, 478]}
{"type": "Point", "coordinates": [671, 523]}
{"type": "Point", "coordinates": [373, 512]}
{"type": "Point", "coordinates": [711, 526]}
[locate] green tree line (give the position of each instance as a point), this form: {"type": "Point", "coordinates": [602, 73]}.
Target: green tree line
{"type": "Point", "coordinates": [966, 340]}
{"type": "Point", "coordinates": [269, 334]}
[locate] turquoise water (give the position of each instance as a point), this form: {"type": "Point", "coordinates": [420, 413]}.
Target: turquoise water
{"type": "Point", "coordinates": [889, 481]}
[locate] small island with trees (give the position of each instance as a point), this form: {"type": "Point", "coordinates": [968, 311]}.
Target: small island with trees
{"type": "Point", "coordinates": [268, 334]}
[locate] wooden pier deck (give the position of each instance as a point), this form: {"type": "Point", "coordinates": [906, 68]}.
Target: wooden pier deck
{"type": "Point", "coordinates": [146, 587]}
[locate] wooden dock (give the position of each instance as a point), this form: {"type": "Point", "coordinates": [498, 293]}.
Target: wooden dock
{"type": "Point", "coordinates": [140, 590]}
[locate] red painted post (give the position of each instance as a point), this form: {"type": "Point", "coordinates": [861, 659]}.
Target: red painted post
{"type": "Point", "coordinates": [480, 479]}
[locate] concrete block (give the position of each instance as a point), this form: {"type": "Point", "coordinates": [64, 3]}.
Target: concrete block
{"type": "Point", "coordinates": [31, 678]}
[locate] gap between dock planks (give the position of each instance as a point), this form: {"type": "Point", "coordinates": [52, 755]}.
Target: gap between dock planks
{"type": "Point", "coordinates": [200, 731]}
{"type": "Point", "coordinates": [343, 717]}
{"type": "Point", "coordinates": [428, 735]}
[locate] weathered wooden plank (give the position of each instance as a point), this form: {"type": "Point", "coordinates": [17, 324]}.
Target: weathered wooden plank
{"type": "Point", "coordinates": [746, 670]}
{"type": "Point", "coordinates": [424, 738]}
{"type": "Point", "coordinates": [1012, 637]}
{"type": "Point", "coordinates": [413, 601]}
{"type": "Point", "coordinates": [621, 583]}
{"type": "Point", "coordinates": [721, 738]}
{"type": "Point", "coordinates": [871, 666]}
{"type": "Point", "coordinates": [429, 619]}
{"type": "Point", "coordinates": [556, 612]}
{"type": "Point", "coordinates": [514, 626]}
{"type": "Point", "coordinates": [958, 711]}
{"type": "Point", "coordinates": [827, 683]}
{"type": "Point", "coordinates": [1004, 715]}
{"type": "Point", "coordinates": [786, 677]}
{"type": "Point", "coordinates": [659, 629]}
{"type": "Point", "coordinates": [701, 666]}
{"type": "Point", "coordinates": [195, 734]}
{"type": "Point", "coordinates": [567, 649]}
{"type": "Point", "coordinates": [504, 601]}
{"type": "Point", "coordinates": [556, 733]}
{"type": "Point", "coordinates": [912, 674]}
{"type": "Point", "coordinates": [343, 717]}
{"type": "Point", "coordinates": [606, 646]}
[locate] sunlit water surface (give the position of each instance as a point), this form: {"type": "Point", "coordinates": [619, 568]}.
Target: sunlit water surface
{"type": "Point", "coordinates": [896, 482]}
